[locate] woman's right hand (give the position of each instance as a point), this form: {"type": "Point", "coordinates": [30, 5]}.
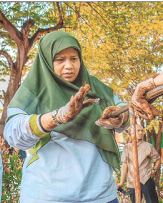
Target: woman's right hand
{"type": "Point", "coordinates": [70, 111]}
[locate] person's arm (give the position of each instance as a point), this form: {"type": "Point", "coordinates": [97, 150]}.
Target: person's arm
{"type": "Point", "coordinates": [138, 100]}
{"type": "Point", "coordinates": [17, 131]}
{"type": "Point", "coordinates": [159, 80]}
{"type": "Point", "coordinates": [156, 168]}
{"type": "Point", "coordinates": [155, 157]}
{"type": "Point", "coordinates": [68, 112]}
{"type": "Point", "coordinates": [22, 131]}
{"type": "Point", "coordinates": [124, 169]}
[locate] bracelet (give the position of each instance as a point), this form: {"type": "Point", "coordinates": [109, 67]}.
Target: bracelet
{"type": "Point", "coordinates": [35, 127]}
{"type": "Point", "coordinates": [153, 82]}
{"type": "Point", "coordinates": [39, 121]}
{"type": "Point", "coordinates": [53, 114]}
{"type": "Point", "coordinates": [155, 170]}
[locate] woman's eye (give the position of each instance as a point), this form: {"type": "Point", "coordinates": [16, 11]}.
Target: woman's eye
{"type": "Point", "coordinates": [59, 59]}
{"type": "Point", "coordinates": [74, 59]}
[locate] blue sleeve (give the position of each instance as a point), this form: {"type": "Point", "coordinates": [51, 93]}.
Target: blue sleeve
{"type": "Point", "coordinates": [17, 131]}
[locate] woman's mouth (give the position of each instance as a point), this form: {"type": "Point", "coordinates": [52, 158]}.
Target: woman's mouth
{"type": "Point", "coordinates": [68, 74]}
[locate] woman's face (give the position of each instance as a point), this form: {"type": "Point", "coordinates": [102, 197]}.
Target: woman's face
{"type": "Point", "coordinates": [66, 64]}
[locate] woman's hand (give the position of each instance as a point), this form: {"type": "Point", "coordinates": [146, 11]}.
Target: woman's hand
{"type": "Point", "coordinates": [110, 123]}
{"type": "Point", "coordinates": [139, 102]}
{"type": "Point", "coordinates": [70, 111]}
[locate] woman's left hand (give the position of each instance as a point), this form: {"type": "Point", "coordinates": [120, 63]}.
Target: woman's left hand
{"type": "Point", "coordinates": [110, 123]}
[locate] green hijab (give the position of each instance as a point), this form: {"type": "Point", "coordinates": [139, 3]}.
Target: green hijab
{"type": "Point", "coordinates": [43, 91]}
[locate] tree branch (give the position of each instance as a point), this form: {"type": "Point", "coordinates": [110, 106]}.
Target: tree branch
{"type": "Point", "coordinates": [97, 12]}
{"type": "Point", "coordinates": [1, 102]}
{"type": "Point", "coordinates": [12, 30]}
{"type": "Point", "coordinates": [25, 31]}
{"type": "Point", "coordinates": [9, 59]}
{"type": "Point", "coordinates": [97, 4]}
{"type": "Point", "coordinates": [60, 13]}
{"type": "Point", "coordinates": [40, 32]}
{"type": "Point", "coordinates": [5, 34]}
{"type": "Point", "coordinates": [84, 21]}
{"type": "Point", "coordinates": [107, 23]}
{"type": "Point", "coordinates": [26, 28]}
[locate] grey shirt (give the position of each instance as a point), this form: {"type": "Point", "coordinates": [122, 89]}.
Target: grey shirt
{"type": "Point", "coordinates": [146, 153]}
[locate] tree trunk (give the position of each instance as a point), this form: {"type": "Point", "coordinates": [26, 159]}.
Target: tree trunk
{"type": "Point", "coordinates": [158, 149]}
{"type": "Point", "coordinates": [159, 137]}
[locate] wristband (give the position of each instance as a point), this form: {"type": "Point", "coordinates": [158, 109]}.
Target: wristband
{"type": "Point", "coordinates": [155, 170]}
{"type": "Point", "coordinates": [153, 82]}
{"type": "Point", "coordinates": [53, 114]}
{"type": "Point", "coordinates": [35, 128]}
{"type": "Point", "coordinates": [42, 128]}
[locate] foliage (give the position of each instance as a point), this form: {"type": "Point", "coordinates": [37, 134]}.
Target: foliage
{"type": "Point", "coordinates": [154, 124]}
{"type": "Point", "coordinates": [12, 172]}
{"type": "Point", "coordinates": [120, 35]}
{"type": "Point", "coordinates": [11, 178]}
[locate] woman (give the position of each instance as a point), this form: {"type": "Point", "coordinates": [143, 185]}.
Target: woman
{"type": "Point", "coordinates": [71, 158]}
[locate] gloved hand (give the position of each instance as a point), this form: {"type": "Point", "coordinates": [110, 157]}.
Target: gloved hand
{"type": "Point", "coordinates": [110, 123]}
{"type": "Point", "coordinates": [70, 111]}
{"type": "Point", "coordinates": [139, 102]}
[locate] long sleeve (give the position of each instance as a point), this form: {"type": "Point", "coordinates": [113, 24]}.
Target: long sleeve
{"type": "Point", "coordinates": [154, 154]}
{"type": "Point", "coordinates": [17, 131]}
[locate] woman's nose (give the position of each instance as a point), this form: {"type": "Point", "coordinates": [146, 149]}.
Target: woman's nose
{"type": "Point", "coordinates": [68, 64]}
